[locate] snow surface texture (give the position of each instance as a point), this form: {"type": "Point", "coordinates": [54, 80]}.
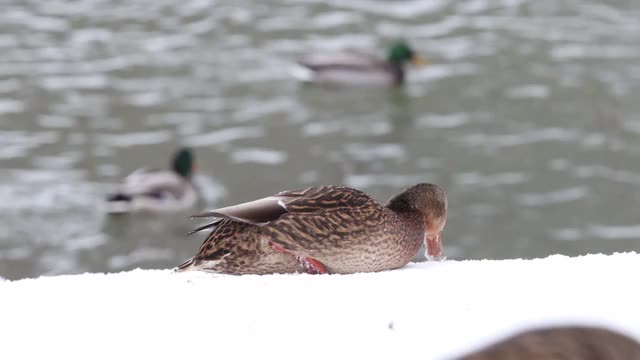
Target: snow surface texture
{"type": "Point", "coordinates": [423, 311]}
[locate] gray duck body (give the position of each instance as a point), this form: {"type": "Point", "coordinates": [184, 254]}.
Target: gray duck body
{"type": "Point", "coordinates": [353, 69]}
{"type": "Point", "coordinates": [349, 69]}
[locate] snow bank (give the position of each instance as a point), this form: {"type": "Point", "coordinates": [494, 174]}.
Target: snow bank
{"type": "Point", "coordinates": [423, 311]}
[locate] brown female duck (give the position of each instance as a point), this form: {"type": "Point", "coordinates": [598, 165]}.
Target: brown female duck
{"type": "Point", "coordinates": [562, 343]}
{"type": "Point", "coordinates": [324, 229]}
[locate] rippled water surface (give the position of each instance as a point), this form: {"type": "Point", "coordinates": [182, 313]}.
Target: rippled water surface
{"type": "Point", "coordinates": [528, 115]}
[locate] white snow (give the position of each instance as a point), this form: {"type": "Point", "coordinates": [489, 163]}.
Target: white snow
{"type": "Point", "coordinates": [424, 311]}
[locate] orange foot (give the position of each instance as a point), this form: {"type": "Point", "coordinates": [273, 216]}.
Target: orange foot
{"type": "Point", "coordinates": [309, 265]}
{"type": "Point", "coordinates": [312, 266]}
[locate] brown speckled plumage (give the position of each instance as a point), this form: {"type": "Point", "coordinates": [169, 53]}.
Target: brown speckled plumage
{"type": "Point", "coordinates": [562, 343]}
{"type": "Point", "coordinates": [344, 229]}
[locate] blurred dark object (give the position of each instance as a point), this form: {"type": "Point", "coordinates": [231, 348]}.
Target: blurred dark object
{"type": "Point", "coordinates": [570, 342]}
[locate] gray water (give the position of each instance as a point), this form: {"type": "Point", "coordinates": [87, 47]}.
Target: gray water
{"type": "Point", "coordinates": [528, 116]}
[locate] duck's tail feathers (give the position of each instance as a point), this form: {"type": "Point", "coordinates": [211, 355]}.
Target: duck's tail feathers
{"type": "Point", "coordinates": [204, 227]}
{"type": "Point", "coordinates": [186, 266]}
{"type": "Point", "coordinates": [302, 73]}
{"type": "Point", "coordinates": [208, 265]}
{"type": "Point", "coordinates": [118, 203]}
{"type": "Point", "coordinates": [119, 197]}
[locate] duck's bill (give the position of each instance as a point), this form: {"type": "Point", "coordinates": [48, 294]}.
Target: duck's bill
{"type": "Point", "coordinates": [418, 60]}
{"type": "Point", "coordinates": [433, 248]}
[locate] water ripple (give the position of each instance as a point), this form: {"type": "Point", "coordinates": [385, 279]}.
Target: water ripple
{"type": "Point", "coordinates": [574, 51]}
{"type": "Point", "coordinates": [87, 82]}
{"type": "Point", "coordinates": [616, 175]}
{"type": "Point", "coordinates": [253, 110]}
{"type": "Point", "coordinates": [259, 156]}
{"type": "Point", "coordinates": [364, 181]}
{"type": "Point", "coordinates": [432, 30]}
{"type": "Point", "coordinates": [537, 91]}
{"type": "Point", "coordinates": [132, 139]}
{"type": "Point", "coordinates": [609, 232]}
{"type": "Point", "coordinates": [19, 143]}
{"type": "Point", "coordinates": [17, 253]}
{"type": "Point", "coordinates": [553, 197]}
{"type": "Point", "coordinates": [443, 121]}
{"type": "Point", "coordinates": [370, 152]}
{"type": "Point", "coordinates": [55, 121]}
{"type": "Point", "coordinates": [9, 106]}
{"type": "Point", "coordinates": [85, 242]}
{"type": "Point", "coordinates": [46, 197]}
{"type": "Point", "coordinates": [226, 135]}
{"type": "Point", "coordinates": [360, 128]}
{"type": "Point", "coordinates": [398, 9]}
{"type": "Point", "coordinates": [471, 180]}
{"type": "Point", "coordinates": [522, 138]}
{"type": "Point", "coordinates": [34, 22]}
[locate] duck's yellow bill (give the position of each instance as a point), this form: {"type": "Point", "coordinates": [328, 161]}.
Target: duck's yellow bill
{"type": "Point", "coordinates": [418, 60]}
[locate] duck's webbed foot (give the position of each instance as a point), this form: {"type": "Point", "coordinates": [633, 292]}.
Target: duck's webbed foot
{"type": "Point", "coordinates": [312, 266]}
{"type": "Point", "coordinates": [308, 265]}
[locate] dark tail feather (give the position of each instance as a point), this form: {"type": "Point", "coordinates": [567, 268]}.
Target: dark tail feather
{"type": "Point", "coordinates": [185, 265]}
{"type": "Point", "coordinates": [207, 214]}
{"type": "Point", "coordinates": [205, 226]}
{"type": "Point", "coordinates": [119, 197]}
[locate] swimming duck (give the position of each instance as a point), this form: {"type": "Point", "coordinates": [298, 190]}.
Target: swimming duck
{"type": "Point", "coordinates": [350, 69]}
{"type": "Point", "coordinates": [561, 343]}
{"type": "Point", "coordinates": [323, 229]}
{"type": "Point", "coordinates": [153, 190]}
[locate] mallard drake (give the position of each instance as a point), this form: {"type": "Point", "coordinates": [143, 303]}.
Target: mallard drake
{"type": "Point", "coordinates": [561, 343]}
{"type": "Point", "coordinates": [323, 229]}
{"type": "Point", "coordinates": [153, 190]}
{"type": "Point", "coordinates": [350, 69]}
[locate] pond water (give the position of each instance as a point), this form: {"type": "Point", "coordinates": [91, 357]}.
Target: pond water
{"type": "Point", "coordinates": [528, 115]}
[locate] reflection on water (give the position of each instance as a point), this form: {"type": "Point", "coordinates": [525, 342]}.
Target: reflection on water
{"type": "Point", "coordinates": [527, 116]}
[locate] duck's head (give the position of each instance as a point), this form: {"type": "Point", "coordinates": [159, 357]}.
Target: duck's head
{"type": "Point", "coordinates": [183, 162]}
{"type": "Point", "coordinates": [430, 201]}
{"type": "Point", "coordinates": [401, 53]}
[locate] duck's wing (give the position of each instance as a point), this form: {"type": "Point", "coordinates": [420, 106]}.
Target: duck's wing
{"type": "Point", "coordinates": [138, 183]}
{"type": "Point", "coordinates": [155, 184]}
{"type": "Point", "coordinates": [257, 212]}
{"type": "Point", "coordinates": [320, 198]}
{"type": "Point", "coordinates": [338, 61]}
{"type": "Point", "coordinates": [332, 223]}
{"type": "Point", "coordinates": [206, 226]}
{"type": "Point", "coordinates": [346, 69]}
{"type": "Point", "coordinates": [314, 223]}
{"type": "Point", "coordinates": [302, 201]}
